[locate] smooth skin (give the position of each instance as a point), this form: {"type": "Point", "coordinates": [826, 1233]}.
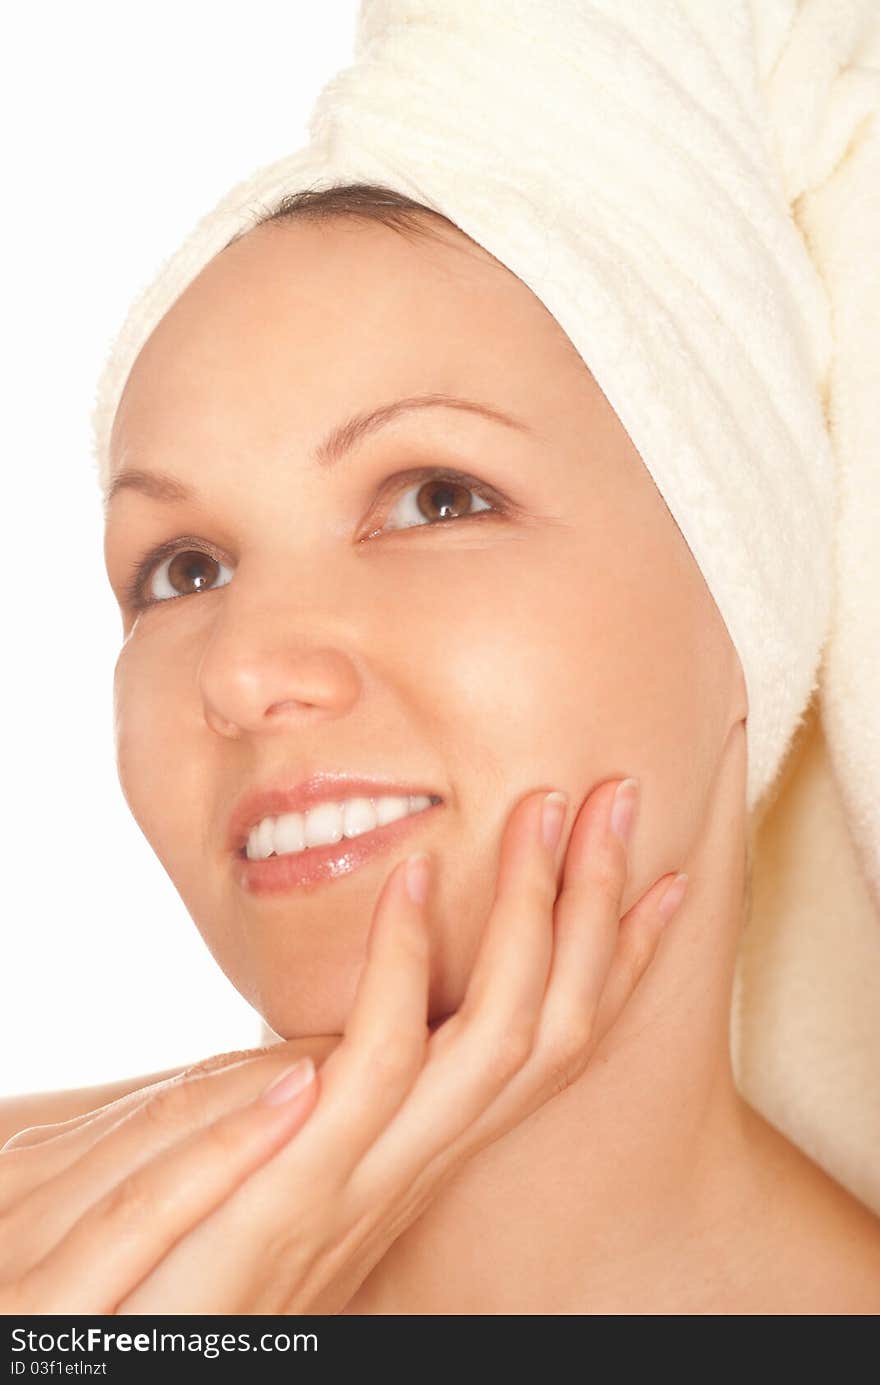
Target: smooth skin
{"type": "Point", "coordinates": [130, 1210]}
{"type": "Point", "coordinates": [565, 639]}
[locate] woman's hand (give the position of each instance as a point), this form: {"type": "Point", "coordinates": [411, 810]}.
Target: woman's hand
{"type": "Point", "coordinates": [207, 1193]}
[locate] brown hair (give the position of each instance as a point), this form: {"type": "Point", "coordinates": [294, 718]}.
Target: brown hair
{"type": "Point", "coordinates": [365, 201]}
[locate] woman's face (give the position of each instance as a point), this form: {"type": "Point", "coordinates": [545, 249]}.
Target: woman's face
{"type": "Point", "coordinates": [554, 632]}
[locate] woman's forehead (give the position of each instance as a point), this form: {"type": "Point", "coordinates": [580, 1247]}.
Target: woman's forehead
{"type": "Point", "coordinates": [340, 309]}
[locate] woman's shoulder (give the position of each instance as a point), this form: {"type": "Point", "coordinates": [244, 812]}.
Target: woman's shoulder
{"type": "Point", "coordinates": [816, 1243]}
{"type": "Point", "coordinates": [49, 1108]}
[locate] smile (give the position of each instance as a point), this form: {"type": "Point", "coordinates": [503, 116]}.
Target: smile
{"type": "Point", "coordinates": [328, 823]}
{"type": "Point", "coordinates": [303, 850]}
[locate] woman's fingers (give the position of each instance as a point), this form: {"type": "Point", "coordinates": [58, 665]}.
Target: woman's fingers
{"type": "Point", "coordinates": [379, 1056]}
{"type": "Point", "coordinates": [510, 970]}
{"type": "Point", "coordinates": [100, 1118]}
{"type": "Point", "coordinates": [383, 1048]}
{"type": "Point", "coordinates": [37, 1154]}
{"type": "Point", "coordinates": [590, 950]}
{"type": "Point", "coordinates": [476, 1052]}
{"type": "Point", "coordinates": [640, 932]}
{"type": "Point", "coordinates": [586, 926]}
{"type": "Point", "coordinates": [122, 1236]}
{"type": "Point", "coordinates": [599, 957]}
{"type": "Point", "coordinates": [382, 1112]}
{"type": "Point", "coordinates": [46, 1188]}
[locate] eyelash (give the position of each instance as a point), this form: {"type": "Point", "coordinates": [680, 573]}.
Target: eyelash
{"type": "Point", "coordinates": [133, 587]}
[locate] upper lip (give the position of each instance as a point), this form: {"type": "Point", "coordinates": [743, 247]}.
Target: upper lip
{"type": "Point", "coordinates": [275, 799]}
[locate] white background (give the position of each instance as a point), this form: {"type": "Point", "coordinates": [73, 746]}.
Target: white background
{"type": "Point", "coordinates": [123, 123]}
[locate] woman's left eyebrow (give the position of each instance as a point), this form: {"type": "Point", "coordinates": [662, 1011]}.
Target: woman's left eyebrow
{"type": "Point", "coordinates": [346, 435]}
{"type": "Point", "coordinates": [159, 485]}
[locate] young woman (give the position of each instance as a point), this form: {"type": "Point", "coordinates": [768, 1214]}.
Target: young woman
{"type": "Point", "coordinates": [390, 570]}
{"type": "Point", "coordinates": [373, 602]}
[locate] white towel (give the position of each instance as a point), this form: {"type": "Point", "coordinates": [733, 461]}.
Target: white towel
{"type": "Point", "coordinates": [692, 188]}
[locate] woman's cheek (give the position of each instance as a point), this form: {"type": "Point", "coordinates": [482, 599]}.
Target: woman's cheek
{"type": "Point", "coordinates": [148, 708]}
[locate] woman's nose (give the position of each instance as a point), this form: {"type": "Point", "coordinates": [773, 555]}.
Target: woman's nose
{"type": "Point", "coordinates": [255, 689]}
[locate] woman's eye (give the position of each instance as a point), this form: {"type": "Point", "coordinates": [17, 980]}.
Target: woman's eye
{"type": "Point", "coordinates": [436, 501]}
{"type": "Point", "coordinates": [169, 572]}
{"type": "Point", "coordinates": [181, 573]}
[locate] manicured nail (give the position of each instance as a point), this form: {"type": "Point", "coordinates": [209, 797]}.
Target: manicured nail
{"type": "Point", "coordinates": [289, 1083]}
{"type": "Point", "coordinates": [673, 897]}
{"type": "Point", "coordinates": [552, 818]}
{"type": "Point", "coordinates": [417, 877]}
{"type": "Point", "coordinates": [623, 808]}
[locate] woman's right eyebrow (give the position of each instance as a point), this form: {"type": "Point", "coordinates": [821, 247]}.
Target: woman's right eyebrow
{"type": "Point", "coordinates": [158, 485]}
{"type": "Point", "coordinates": [161, 486]}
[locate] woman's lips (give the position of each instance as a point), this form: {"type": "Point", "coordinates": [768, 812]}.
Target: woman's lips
{"type": "Point", "coordinates": [319, 864]}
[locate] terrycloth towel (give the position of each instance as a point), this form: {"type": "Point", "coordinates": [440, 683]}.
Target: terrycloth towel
{"type": "Point", "coordinates": [692, 188]}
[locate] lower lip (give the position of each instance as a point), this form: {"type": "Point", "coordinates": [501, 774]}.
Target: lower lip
{"type": "Point", "coordinates": [319, 864]}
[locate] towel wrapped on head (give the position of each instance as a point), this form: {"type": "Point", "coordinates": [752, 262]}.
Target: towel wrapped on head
{"type": "Point", "coordinates": [692, 189]}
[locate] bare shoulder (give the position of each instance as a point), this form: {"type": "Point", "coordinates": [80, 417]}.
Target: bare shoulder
{"type": "Point", "coordinates": [824, 1242]}
{"type": "Point", "coordinates": [48, 1108]}
{"type": "Point", "coordinates": [846, 1239]}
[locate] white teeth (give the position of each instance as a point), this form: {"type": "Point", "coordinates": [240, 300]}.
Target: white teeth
{"type": "Point", "coordinates": [290, 833]}
{"type": "Point", "coordinates": [358, 816]}
{"type": "Point", "coordinates": [265, 838]}
{"type": "Point", "coordinates": [324, 824]}
{"type": "Point", "coordinates": [327, 823]}
{"type": "Point", "coordinates": [389, 809]}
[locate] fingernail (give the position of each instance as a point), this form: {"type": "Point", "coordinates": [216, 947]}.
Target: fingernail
{"type": "Point", "coordinates": [289, 1083]}
{"type": "Point", "coordinates": [673, 897]}
{"type": "Point", "coordinates": [552, 818]}
{"type": "Point", "coordinates": [417, 878]}
{"type": "Point", "coordinates": [623, 808]}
